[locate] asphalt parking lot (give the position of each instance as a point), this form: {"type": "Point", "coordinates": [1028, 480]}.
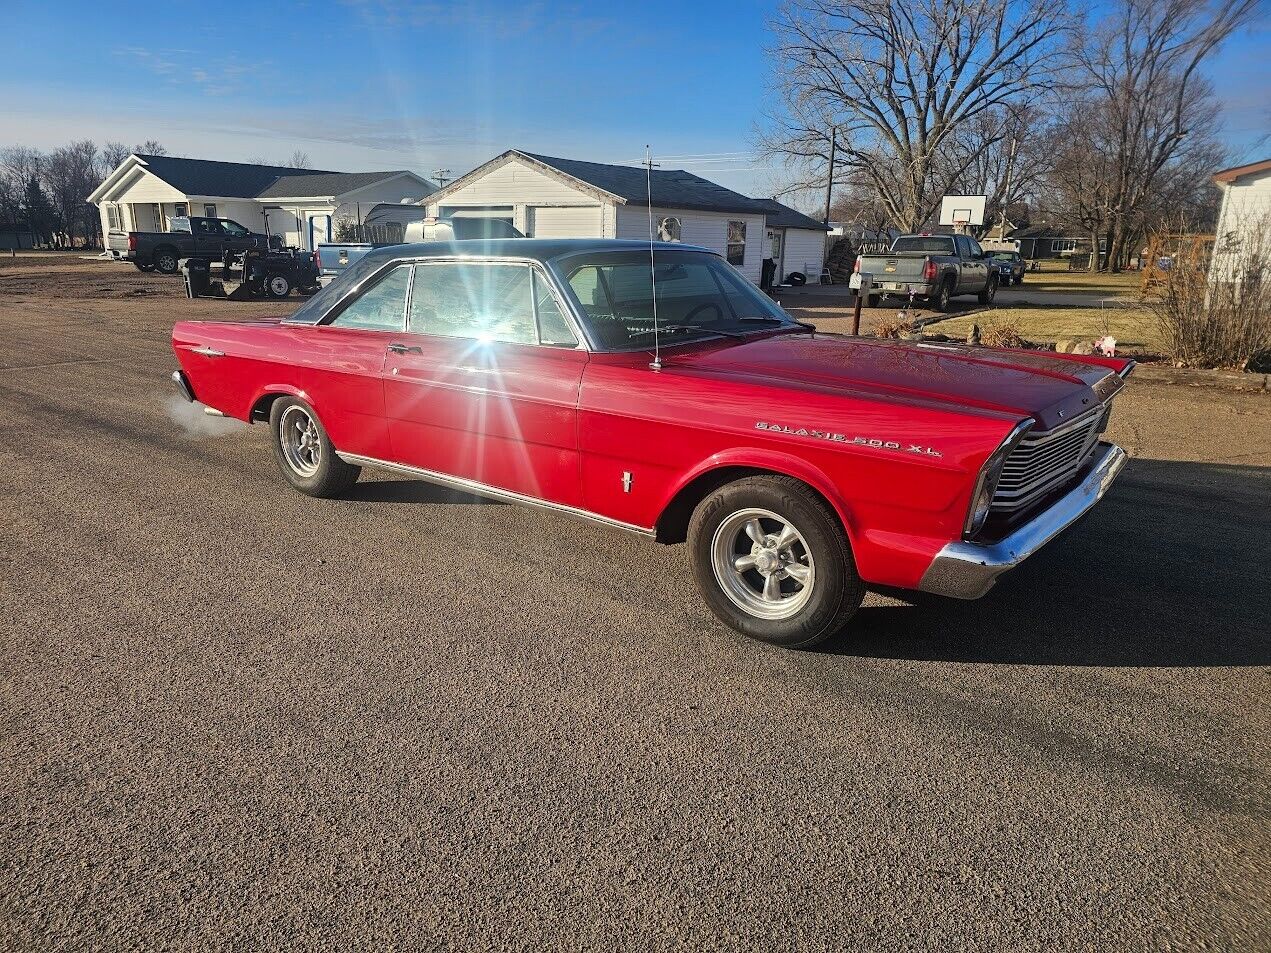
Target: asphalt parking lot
{"type": "Point", "coordinates": [236, 717]}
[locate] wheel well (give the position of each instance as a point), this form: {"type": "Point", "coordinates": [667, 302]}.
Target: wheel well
{"type": "Point", "coordinates": [262, 407]}
{"type": "Point", "coordinates": [672, 525]}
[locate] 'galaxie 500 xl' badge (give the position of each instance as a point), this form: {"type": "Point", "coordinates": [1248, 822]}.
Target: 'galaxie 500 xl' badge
{"type": "Point", "coordinates": [844, 438]}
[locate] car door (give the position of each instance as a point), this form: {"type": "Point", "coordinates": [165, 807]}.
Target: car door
{"type": "Point", "coordinates": [339, 366]}
{"type": "Point", "coordinates": [976, 265]}
{"type": "Point", "coordinates": [484, 384]}
{"type": "Point", "coordinates": [209, 240]}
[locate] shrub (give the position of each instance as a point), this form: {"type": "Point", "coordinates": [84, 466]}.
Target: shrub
{"type": "Point", "coordinates": [346, 229]}
{"type": "Point", "coordinates": [1219, 318]}
{"type": "Point", "coordinates": [1005, 334]}
{"type": "Point", "coordinates": [892, 329]}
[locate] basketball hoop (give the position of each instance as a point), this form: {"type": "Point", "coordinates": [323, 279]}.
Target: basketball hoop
{"type": "Point", "coordinates": [959, 226]}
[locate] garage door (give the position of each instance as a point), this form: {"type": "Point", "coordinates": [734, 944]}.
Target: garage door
{"type": "Point", "coordinates": [585, 222]}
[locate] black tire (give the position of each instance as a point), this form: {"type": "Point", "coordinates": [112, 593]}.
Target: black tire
{"type": "Point", "coordinates": [873, 301]}
{"type": "Point", "coordinates": [719, 534]}
{"type": "Point", "coordinates": [277, 285]}
{"type": "Point", "coordinates": [1019, 280]}
{"type": "Point", "coordinates": [989, 293]}
{"type": "Point", "coordinates": [141, 267]}
{"type": "Point", "coordinates": [314, 470]}
{"type": "Point", "coordinates": [797, 279]}
{"type": "Point", "coordinates": [943, 296]}
{"type": "Point", "coordinates": [166, 261]}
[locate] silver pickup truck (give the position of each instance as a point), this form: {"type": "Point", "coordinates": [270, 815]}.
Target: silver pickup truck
{"type": "Point", "coordinates": [335, 257]}
{"type": "Point", "coordinates": [935, 268]}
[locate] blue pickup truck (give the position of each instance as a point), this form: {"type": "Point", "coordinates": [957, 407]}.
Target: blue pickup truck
{"type": "Point", "coordinates": [335, 257]}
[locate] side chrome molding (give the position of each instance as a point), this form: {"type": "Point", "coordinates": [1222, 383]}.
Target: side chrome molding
{"type": "Point", "coordinates": [494, 493]}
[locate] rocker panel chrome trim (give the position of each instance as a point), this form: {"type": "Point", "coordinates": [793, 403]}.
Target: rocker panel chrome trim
{"type": "Point", "coordinates": [484, 489]}
{"type": "Point", "coordinates": [969, 570]}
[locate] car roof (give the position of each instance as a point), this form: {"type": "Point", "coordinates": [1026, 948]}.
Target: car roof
{"type": "Point", "coordinates": [536, 249]}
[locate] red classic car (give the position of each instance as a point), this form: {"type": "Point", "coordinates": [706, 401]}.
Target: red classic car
{"type": "Point", "coordinates": [800, 467]}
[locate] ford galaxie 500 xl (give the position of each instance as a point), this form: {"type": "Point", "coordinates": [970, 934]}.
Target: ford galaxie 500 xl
{"type": "Point", "coordinates": [799, 467]}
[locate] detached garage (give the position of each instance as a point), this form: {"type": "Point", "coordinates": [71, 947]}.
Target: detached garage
{"type": "Point", "coordinates": [548, 197]}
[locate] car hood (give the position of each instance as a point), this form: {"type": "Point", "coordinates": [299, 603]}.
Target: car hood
{"type": "Point", "coordinates": [1046, 387]}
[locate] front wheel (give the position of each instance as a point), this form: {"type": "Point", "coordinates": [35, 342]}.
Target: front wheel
{"type": "Point", "coordinates": [989, 293]}
{"type": "Point", "coordinates": [773, 561]}
{"type": "Point", "coordinates": [304, 452]}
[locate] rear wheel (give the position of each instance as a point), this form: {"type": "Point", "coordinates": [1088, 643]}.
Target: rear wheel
{"type": "Point", "coordinates": [873, 301]}
{"type": "Point", "coordinates": [941, 300]}
{"type": "Point", "coordinates": [166, 261]}
{"type": "Point", "coordinates": [278, 286]}
{"type": "Point", "coordinates": [773, 561]}
{"type": "Point", "coordinates": [989, 293]}
{"type": "Point", "coordinates": [304, 451]}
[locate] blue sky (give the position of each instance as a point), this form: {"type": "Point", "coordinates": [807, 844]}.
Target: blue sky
{"type": "Point", "coordinates": [380, 84]}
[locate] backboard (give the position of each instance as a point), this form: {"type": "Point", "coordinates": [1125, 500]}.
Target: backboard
{"type": "Point", "coordinates": [962, 210]}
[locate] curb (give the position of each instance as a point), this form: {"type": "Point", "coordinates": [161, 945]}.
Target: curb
{"type": "Point", "coordinates": [1191, 377]}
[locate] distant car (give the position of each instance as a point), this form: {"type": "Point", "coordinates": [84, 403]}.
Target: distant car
{"type": "Point", "coordinates": [203, 239]}
{"type": "Point", "coordinates": [336, 257]}
{"type": "Point", "coordinates": [799, 466]}
{"type": "Point", "coordinates": [1010, 267]}
{"type": "Point", "coordinates": [934, 268]}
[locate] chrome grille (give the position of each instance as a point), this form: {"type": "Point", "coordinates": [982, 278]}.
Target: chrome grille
{"type": "Point", "coordinates": [1042, 461]}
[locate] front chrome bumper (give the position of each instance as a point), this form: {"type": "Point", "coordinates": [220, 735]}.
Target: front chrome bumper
{"type": "Point", "coordinates": [968, 570]}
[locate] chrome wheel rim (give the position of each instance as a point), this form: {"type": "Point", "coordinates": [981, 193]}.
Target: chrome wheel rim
{"type": "Point", "coordinates": [167, 263]}
{"type": "Point", "coordinates": [278, 285]}
{"type": "Point", "coordinates": [762, 563]}
{"type": "Point", "coordinates": [301, 440]}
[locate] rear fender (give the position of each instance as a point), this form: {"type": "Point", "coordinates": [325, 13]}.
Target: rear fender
{"type": "Point", "coordinates": [263, 395]}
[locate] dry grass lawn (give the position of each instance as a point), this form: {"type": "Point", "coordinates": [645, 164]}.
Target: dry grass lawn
{"type": "Point", "coordinates": [1055, 276]}
{"type": "Point", "coordinates": [1134, 328]}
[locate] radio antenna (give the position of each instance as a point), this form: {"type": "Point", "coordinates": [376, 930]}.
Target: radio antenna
{"type": "Point", "coordinates": [653, 273]}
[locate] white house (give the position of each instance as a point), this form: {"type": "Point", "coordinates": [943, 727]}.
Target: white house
{"type": "Point", "coordinates": [146, 192]}
{"type": "Point", "coordinates": [1244, 218]}
{"type": "Point", "coordinates": [796, 242]}
{"type": "Point", "coordinates": [547, 197]}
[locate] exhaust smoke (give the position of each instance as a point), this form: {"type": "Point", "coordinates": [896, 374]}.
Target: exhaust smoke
{"type": "Point", "coordinates": [195, 423]}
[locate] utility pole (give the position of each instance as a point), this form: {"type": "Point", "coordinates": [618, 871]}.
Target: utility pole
{"type": "Point", "coordinates": [441, 177]}
{"type": "Point", "coordinates": [829, 179]}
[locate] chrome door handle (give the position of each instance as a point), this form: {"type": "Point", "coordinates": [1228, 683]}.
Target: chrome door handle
{"type": "Point", "coordinates": [405, 349]}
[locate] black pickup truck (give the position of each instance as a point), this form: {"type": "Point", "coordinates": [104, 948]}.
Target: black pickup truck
{"type": "Point", "coordinates": [207, 239]}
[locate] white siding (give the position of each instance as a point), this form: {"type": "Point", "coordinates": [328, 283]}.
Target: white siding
{"type": "Point", "coordinates": [516, 183]}
{"type": "Point", "coordinates": [1243, 220]}
{"type": "Point", "coordinates": [708, 229]}
{"type": "Point", "coordinates": [804, 251]}
{"type": "Point", "coordinates": [549, 221]}
{"type": "Point", "coordinates": [143, 186]}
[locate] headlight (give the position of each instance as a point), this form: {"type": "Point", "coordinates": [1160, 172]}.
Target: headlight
{"type": "Point", "coordinates": [990, 473]}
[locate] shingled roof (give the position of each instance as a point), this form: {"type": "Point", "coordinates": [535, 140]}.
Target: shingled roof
{"type": "Point", "coordinates": [672, 188]}
{"type": "Point", "coordinates": [783, 216]}
{"type": "Point", "coordinates": [248, 180]}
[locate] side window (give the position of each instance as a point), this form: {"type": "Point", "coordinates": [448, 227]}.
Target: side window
{"type": "Point", "coordinates": [488, 302]}
{"type": "Point", "coordinates": [381, 307]}
{"type": "Point", "coordinates": [736, 244]}
{"type": "Point", "coordinates": [973, 247]}
{"type": "Point", "coordinates": [553, 329]}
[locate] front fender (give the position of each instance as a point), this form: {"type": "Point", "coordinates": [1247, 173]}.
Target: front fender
{"type": "Point", "coordinates": [760, 458]}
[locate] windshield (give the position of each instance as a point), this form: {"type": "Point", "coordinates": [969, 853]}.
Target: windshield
{"type": "Point", "coordinates": [1005, 256]}
{"type": "Point", "coordinates": [924, 243]}
{"type": "Point", "coordinates": [698, 296]}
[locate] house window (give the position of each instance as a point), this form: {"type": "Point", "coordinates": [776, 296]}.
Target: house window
{"type": "Point", "coordinates": [737, 243]}
{"type": "Point", "coordinates": [669, 229]}
{"type": "Point", "coordinates": [112, 217]}
{"type": "Point", "coordinates": [181, 209]}
{"type": "Point", "coordinates": [209, 210]}
{"type": "Point", "coordinates": [1061, 245]}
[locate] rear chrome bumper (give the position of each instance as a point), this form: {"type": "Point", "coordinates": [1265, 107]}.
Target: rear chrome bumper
{"type": "Point", "coordinates": [968, 570]}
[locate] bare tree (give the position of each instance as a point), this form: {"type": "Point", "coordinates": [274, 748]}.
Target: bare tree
{"type": "Point", "coordinates": [894, 82]}
{"type": "Point", "coordinates": [298, 160]}
{"type": "Point", "coordinates": [1139, 70]}
{"type": "Point", "coordinates": [151, 147]}
{"type": "Point", "coordinates": [111, 155]}
{"type": "Point", "coordinates": [1002, 155]}
{"type": "Point", "coordinates": [69, 175]}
